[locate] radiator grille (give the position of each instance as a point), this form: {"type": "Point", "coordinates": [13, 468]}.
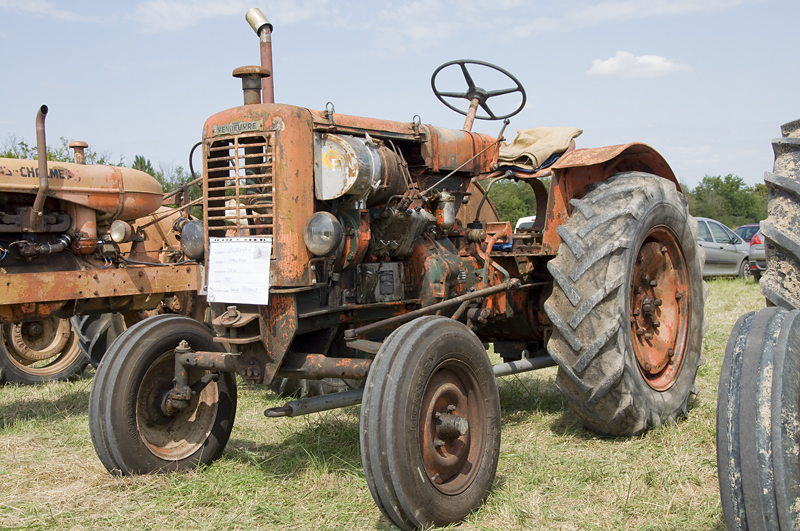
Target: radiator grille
{"type": "Point", "coordinates": [239, 185]}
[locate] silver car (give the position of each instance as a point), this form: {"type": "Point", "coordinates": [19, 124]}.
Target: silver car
{"type": "Point", "coordinates": [758, 257]}
{"type": "Point", "coordinates": [726, 253]}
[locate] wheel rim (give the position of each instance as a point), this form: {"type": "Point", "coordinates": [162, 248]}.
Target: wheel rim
{"type": "Point", "coordinates": [452, 427]}
{"type": "Point", "coordinates": [659, 308]}
{"type": "Point", "coordinates": [177, 437]}
{"type": "Point", "coordinates": [41, 348]}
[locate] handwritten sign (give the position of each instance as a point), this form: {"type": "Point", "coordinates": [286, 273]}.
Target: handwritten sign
{"type": "Point", "coordinates": [238, 270]}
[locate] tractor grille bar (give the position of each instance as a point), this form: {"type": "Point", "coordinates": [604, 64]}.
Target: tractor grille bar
{"type": "Point", "coordinates": [239, 185]}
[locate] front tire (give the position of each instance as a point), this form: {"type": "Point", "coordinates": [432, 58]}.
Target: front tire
{"type": "Point", "coordinates": [627, 305]}
{"type": "Point", "coordinates": [35, 352]}
{"type": "Point", "coordinates": [430, 424]}
{"type": "Point", "coordinates": [758, 412]}
{"type": "Point", "coordinates": [130, 431]}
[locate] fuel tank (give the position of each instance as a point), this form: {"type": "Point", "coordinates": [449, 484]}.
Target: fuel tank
{"type": "Point", "coordinates": [125, 193]}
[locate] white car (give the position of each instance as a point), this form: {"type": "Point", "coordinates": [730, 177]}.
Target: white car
{"type": "Point", "coordinates": [726, 253]}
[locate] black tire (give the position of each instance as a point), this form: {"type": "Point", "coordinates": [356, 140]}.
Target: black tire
{"type": "Point", "coordinates": [32, 353]}
{"type": "Point", "coordinates": [758, 412]}
{"type": "Point", "coordinates": [130, 433]}
{"type": "Point", "coordinates": [744, 270]}
{"type": "Point", "coordinates": [781, 281]}
{"type": "Point", "coordinates": [634, 225]}
{"type": "Point", "coordinates": [97, 332]}
{"type": "Point", "coordinates": [427, 359]}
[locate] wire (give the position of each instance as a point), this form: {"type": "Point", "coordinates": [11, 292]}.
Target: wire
{"type": "Point", "coordinates": [126, 260]}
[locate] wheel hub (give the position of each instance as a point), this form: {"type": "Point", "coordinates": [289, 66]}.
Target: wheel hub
{"type": "Point", "coordinates": [451, 427]}
{"type": "Point", "coordinates": [659, 308]}
{"type": "Point", "coordinates": [38, 340]}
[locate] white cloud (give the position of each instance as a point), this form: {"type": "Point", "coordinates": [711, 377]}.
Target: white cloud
{"type": "Point", "coordinates": [625, 64]}
{"type": "Point", "coordinates": [175, 15]}
{"type": "Point", "coordinates": [44, 8]}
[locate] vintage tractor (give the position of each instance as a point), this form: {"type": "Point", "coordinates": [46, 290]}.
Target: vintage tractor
{"type": "Point", "coordinates": [364, 249]}
{"type": "Point", "coordinates": [68, 248]}
{"type": "Point", "coordinates": [758, 406]}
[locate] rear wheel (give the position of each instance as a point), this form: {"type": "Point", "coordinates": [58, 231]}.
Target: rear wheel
{"type": "Point", "coordinates": [97, 332]}
{"type": "Point", "coordinates": [130, 429]}
{"type": "Point", "coordinates": [430, 424]}
{"type": "Point", "coordinates": [627, 305]}
{"type": "Point", "coordinates": [40, 351]}
{"type": "Point", "coordinates": [781, 281]}
{"type": "Point", "coordinates": [744, 270]}
{"type": "Point", "coordinates": [758, 413]}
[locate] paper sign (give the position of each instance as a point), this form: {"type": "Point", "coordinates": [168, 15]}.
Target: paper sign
{"type": "Point", "coordinates": [238, 270]}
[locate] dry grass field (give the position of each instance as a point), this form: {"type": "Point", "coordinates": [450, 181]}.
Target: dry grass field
{"type": "Point", "coordinates": [305, 473]}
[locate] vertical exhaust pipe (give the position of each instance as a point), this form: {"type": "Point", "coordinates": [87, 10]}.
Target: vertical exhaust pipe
{"type": "Point", "coordinates": [263, 29]}
{"type": "Point", "coordinates": [44, 183]}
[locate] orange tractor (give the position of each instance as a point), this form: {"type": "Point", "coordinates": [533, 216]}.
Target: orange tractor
{"type": "Point", "coordinates": [363, 249]}
{"type": "Point", "coordinates": [87, 242]}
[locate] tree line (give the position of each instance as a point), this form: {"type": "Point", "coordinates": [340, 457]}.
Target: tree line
{"type": "Point", "coordinates": [728, 199]}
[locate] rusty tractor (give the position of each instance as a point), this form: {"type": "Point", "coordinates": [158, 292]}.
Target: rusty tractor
{"type": "Point", "coordinates": [87, 242]}
{"type": "Point", "coordinates": [758, 405]}
{"type": "Point", "coordinates": [346, 247]}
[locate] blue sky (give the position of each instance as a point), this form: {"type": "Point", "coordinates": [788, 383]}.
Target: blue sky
{"type": "Point", "coordinates": [705, 82]}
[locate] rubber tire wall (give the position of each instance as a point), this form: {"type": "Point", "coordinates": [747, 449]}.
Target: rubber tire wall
{"type": "Point", "coordinates": [113, 398]}
{"type": "Point", "coordinates": [758, 415]}
{"type": "Point", "coordinates": [389, 426]}
{"type": "Point", "coordinates": [589, 307]}
{"type": "Point", "coordinates": [781, 281]}
{"type": "Point", "coordinates": [69, 366]}
{"type": "Point", "coordinates": [96, 333]}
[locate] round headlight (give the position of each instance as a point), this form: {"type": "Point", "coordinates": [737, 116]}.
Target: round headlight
{"type": "Point", "coordinates": [120, 231]}
{"type": "Point", "coordinates": [323, 233]}
{"type": "Point", "coordinates": [193, 240]}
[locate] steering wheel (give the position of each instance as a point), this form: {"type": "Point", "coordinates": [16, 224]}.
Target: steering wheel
{"type": "Point", "coordinates": [475, 92]}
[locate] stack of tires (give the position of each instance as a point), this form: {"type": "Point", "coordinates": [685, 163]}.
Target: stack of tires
{"type": "Point", "coordinates": [758, 409]}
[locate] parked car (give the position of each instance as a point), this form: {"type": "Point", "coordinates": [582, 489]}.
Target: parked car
{"type": "Point", "coordinates": [746, 232]}
{"type": "Point", "coordinates": [758, 256]}
{"type": "Point", "coordinates": [726, 253]}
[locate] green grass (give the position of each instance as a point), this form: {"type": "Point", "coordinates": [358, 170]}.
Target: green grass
{"type": "Point", "coordinates": [305, 473]}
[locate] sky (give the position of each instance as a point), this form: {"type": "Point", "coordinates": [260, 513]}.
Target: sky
{"type": "Point", "coordinates": [707, 83]}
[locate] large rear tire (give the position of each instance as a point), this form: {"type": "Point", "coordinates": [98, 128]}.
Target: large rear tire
{"type": "Point", "coordinates": [781, 281]}
{"type": "Point", "coordinates": [130, 431]}
{"type": "Point", "coordinates": [97, 332]}
{"type": "Point", "coordinates": [627, 305]}
{"type": "Point", "coordinates": [35, 352]}
{"type": "Point", "coordinates": [430, 424]}
{"type": "Point", "coordinates": [758, 414]}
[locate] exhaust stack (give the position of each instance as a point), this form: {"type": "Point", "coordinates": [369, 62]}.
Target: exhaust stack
{"type": "Point", "coordinates": [41, 154]}
{"type": "Point", "coordinates": [263, 29]}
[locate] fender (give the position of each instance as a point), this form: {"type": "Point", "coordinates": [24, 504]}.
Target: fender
{"type": "Point", "coordinates": [575, 171]}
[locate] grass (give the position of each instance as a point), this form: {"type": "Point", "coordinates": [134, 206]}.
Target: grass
{"type": "Point", "coordinates": [305, 473]}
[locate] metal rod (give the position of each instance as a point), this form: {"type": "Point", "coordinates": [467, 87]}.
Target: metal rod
{"type": "Point", "coordinates": [523, 365]}
{"type": "Point", "coordinates": [304, 406]}
{"type": "Point", "coordinates": [505, 286]}
{"type": "Point", "coordinates": [41, 153]}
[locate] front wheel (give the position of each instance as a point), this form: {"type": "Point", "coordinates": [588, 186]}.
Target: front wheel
{"type": "Point", "coordinates": [627, 305]}
{"type": "Point", "coordinates": [131, 431]}
{"type": "Point", "coordinates": [758, 412]}
{"type": "Point", "coordinates": [430, 424]}
{"type": "Point", "coordinates": [35, 352]}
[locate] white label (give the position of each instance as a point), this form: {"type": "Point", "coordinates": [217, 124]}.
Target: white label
{"type": "Point", "coordinates": [238, 270]}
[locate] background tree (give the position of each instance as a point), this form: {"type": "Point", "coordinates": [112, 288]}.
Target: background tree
{"type": "Point", "coordinates": [728, 200]}
{"type": "Point", "coordinates": [514, 200]}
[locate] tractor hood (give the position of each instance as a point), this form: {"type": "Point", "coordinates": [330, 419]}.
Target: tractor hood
{"type": "Point", "coordinates": [125, 193]}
